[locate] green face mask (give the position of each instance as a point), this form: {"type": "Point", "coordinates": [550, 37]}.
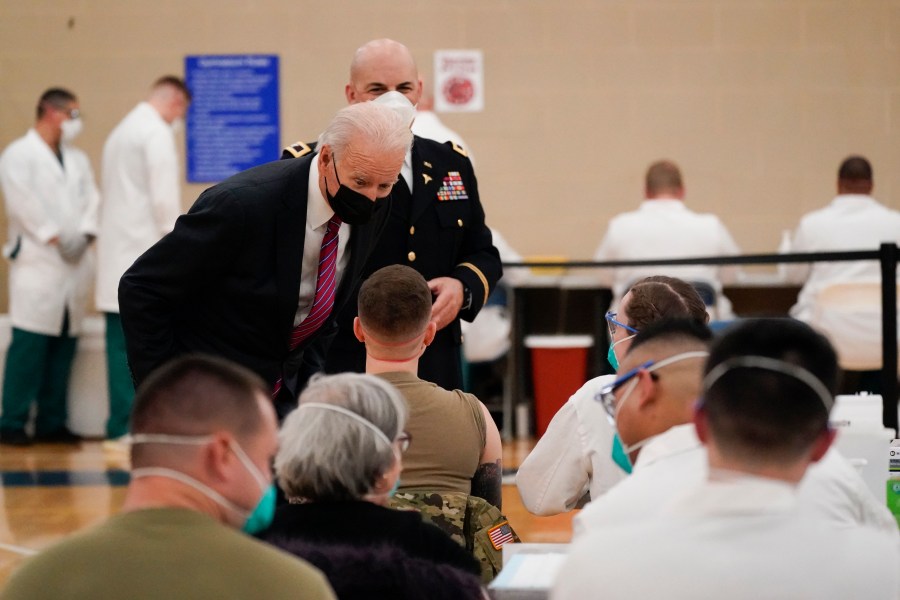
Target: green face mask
{"type": "Point", "coordinates": [619, 456]}
{"type": "Point", "coordinates": [611, 353]}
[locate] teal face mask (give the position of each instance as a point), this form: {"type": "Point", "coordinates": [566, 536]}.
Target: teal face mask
{"type": "Point", "coordinates": [619, 456]}
{"type": "Point", "coordinates": [254, 521]}
{"type": "Point", "coordinates": [262, 514]}
{"type": "Point", "coordinates": [611, 353]}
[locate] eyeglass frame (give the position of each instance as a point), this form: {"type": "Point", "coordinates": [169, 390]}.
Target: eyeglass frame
{"type": "Point", "coordinates": [404, 439]}
{"type": "Point", "coordinates": [612, 323]}
{"type": "Point", "coordinates": [607, 397]}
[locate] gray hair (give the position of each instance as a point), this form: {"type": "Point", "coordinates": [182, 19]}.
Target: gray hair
{"type": "Point", "coordinates": [325, 455]}
{"type": "Point", "coordinates": [382, 127]}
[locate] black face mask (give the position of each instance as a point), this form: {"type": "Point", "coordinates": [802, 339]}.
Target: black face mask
{"type": "Point", "coordinates": [352, 207]}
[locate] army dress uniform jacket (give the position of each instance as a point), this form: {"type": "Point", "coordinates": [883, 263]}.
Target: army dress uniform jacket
{"type": "Point", "coordinates": [226, 281]}
{"type": "Point", "coordinates": [439, 231]}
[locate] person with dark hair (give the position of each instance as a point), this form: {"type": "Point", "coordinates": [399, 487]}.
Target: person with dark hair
{"type": "Point", "coordinates": [339, 463]}
{"type": "Point", "coordinates": [675, 460]}
{"type": "Point", "coordinates": [741, 532]}
{"type": "Point", "coordinates": [663, 227]}
{"type": "Point", "coordinates": [853, 220]}
{"type": "Point", "coordinates": [258, 268]}
{"type": "Point", "coordinates": [651, 404]}
{"type": "Point", "coordinates": [459, 448]}
{"type": "Point", "coordinates": [580, 454]}
{"type": "Point", "coordinates": [141, 200]}
{"type": "Point", "coordinates": [204, 436]}
{"type": "Point", "coordinates": [436, 223]}
{"type": "Point", "coordinates": [51, 209]}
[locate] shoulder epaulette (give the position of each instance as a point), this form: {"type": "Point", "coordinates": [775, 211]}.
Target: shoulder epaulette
{"type": "Point", "coordinates": [297, 150]}
{"type": "Point", "coordinates": [459, 148]}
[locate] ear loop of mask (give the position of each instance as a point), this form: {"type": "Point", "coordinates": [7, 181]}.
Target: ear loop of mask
{"type": "Point", "coordinates": [340, 409]}
{"type": "Point", "coordinates": [360, 419]}
{"type": "Point", "coordinates": [628, 450]}
{"type": "Point", "coordinates": [771, 364]}
{"type": "Point", "coordinates": [183, 440]}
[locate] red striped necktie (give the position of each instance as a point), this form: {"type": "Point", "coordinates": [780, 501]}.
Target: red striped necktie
{"type": "Point", "coordinates": [326, 287]}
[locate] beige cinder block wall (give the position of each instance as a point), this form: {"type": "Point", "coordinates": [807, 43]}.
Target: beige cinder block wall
{"type": "Point", "coordinates": [758, 100]}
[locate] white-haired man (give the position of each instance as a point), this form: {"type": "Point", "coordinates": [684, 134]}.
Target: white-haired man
{"type": "Point", "coordinates": [259, 266]}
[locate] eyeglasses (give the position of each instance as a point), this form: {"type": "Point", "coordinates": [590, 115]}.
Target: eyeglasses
{"type": "Point", "coordinates": [613, 324]}
{"type": "Point", "coordinates": [404, 439]}
{"type": "Point", "coordinates": [607, 394]}
{"type": "Point", "coordinates": [73, 113]}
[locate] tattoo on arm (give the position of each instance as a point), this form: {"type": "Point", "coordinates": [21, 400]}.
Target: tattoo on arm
{"type": "Point", "coordinates": [487, 483]}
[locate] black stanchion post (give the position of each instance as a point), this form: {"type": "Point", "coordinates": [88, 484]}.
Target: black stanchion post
{"type": "Point", "coordinates": [889, 384]}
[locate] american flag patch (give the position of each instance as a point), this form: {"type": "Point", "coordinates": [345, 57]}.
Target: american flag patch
{"type": "Point", "coordinates": [500, 534]}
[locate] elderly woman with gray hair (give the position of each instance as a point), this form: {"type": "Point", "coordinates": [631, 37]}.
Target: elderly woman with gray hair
{"type": "Point", "coordinates": [339, 462]}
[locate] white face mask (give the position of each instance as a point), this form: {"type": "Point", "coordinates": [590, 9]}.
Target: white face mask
{"type": "Point", "coordinates": [177, 125]}
{"type": "Point", "coordinates": [399, 103]}
{"type": "Point", "coordinates": [70, 129]}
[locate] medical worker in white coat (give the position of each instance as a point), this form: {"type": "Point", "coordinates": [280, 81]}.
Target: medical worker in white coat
{"type": "Point", "coordinates": [141, 201]}
{"type": "Point", "coordinates": [51, 207]}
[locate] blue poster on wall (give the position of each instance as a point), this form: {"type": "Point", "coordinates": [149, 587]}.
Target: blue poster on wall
{"type": "Point", "coordinates": [233, 121]}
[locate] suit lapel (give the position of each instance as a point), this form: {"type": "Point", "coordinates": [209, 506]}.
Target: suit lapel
{"type": "Point", "coordinates": [290, 233]}
{"type": "Point", "coordinates": [426, 180]}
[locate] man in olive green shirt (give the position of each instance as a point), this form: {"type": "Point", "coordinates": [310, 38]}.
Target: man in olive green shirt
{"type": "Point", "coordinates": [204, 435]}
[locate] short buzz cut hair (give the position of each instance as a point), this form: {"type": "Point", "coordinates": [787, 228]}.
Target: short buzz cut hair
{"type": "Point", "coordinates": [762, 416]}
{"type": "Point", "coordinates": [54, 97]}
{"type": "Point", "coordinates": [378, 125]}
{"type": "Point", "coordinates": [663, 176]}
{"type": "Point", "coordinates": [676, 331]}
{"type": "Point", "coordinates": [196, 395]}
{"type": "Point", "coordinates": [855, 168]}
{"type": "Point", "coordinates": [173, 81]}
{"type": "Point", "coordinates": [395, 303]}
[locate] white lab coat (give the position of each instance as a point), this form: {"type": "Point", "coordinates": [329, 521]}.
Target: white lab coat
{"type": "Point", "coordinates": [675, 461]}
{"type": "Point", "coordinates": [850, 222]}
{"type": "Point", "coordinates": [744, 538]}
{"type": "Point", "coordinates": [45, 199]}
{"type": "Point", "coordinates": [573, 457]}
{"type": "Point", "coordinates": [141, 196]}
{"type": "Point", "coordinates": [665, 228]}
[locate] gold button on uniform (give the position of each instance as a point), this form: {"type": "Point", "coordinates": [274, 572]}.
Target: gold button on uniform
{"type": "Point", "coordinates": [412, 230]}
{"type": "Point", "coordinates": [411, 256]}
{"type": "Point", "coordinates": [459, 222]}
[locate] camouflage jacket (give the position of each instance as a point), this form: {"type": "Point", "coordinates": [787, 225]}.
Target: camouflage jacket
{"type": "Point", "coordinates": [472, 521]}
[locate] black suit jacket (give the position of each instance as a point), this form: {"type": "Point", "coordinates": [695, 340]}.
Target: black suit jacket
{"type": "Point", "coordinates": [443, 235]}
{"type": "Point", "coordinates": [226, 280]}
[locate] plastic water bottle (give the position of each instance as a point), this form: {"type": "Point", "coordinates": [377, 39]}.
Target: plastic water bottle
{"type": "Point", "coordinates": [893, 483]}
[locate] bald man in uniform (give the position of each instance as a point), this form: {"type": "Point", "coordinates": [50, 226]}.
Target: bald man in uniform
{"type": "Point", "coordinates": [436, 224]}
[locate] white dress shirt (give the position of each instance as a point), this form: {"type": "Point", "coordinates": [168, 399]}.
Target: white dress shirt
{"type": "Point", "coordinates": [666, 228]}
{"type": "Point", "coordinates": [738, 538]}
{"type": "Point", "coordinates": [318, 213]}
{"type": "Point", "coordinates": [850, 222]}
{"type": "Point", "coordinates": [573, 457]}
